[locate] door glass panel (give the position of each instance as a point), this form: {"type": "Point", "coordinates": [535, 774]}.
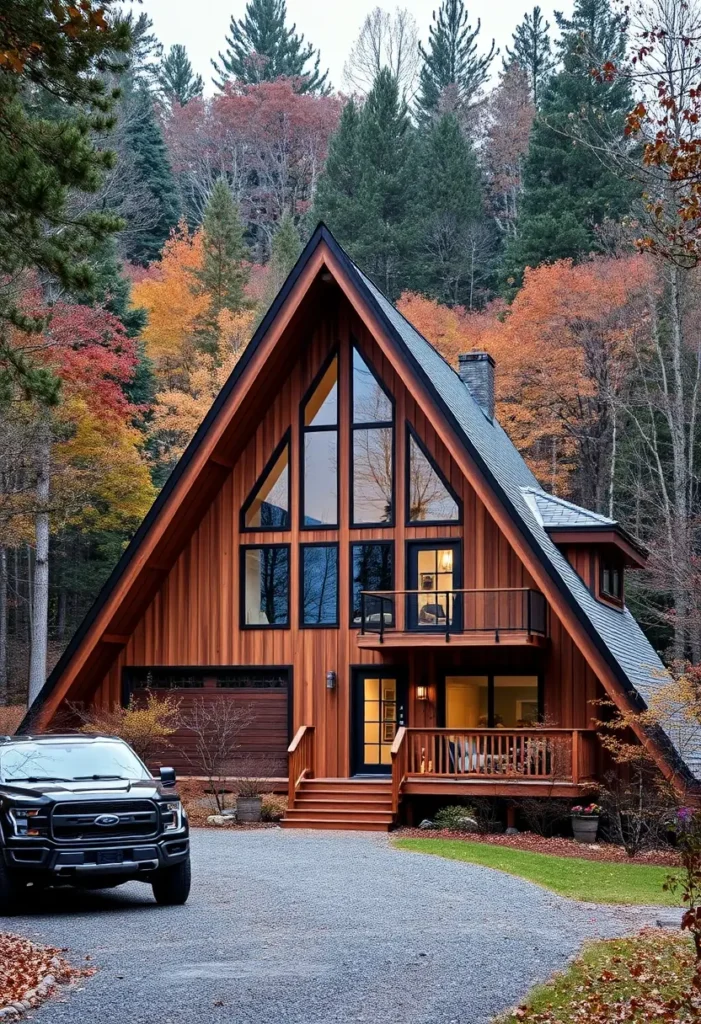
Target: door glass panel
{"type": "Point", "coordinates": [515, 701]}
{"type": "Point", "coordinates": [435, 600]}
{"type": "Point", "coordinates": [379, 720]}
{"type": "Point", "coordinates": [466, 702]}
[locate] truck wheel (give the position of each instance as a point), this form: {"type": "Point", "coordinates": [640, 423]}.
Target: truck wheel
{"type": "Point", "coordinates": [171, 886]}
{"type": "Point", "coordinates": [9, 891]}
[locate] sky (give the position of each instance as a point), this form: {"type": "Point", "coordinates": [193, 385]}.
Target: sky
{"type": "Point", "coordinates": [332, 26]}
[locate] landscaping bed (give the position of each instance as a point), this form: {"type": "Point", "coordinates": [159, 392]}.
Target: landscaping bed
{"type": "Point", "coordinates": [198, 800]}
{"type": "Point", "coordinates": [576, 878]}
{"type": "Point", "coordinates": [644, 978]}
{"type": "Point", "coordinates": [557, 846]}
{"type": "Point", "coordinates": [30, 973]}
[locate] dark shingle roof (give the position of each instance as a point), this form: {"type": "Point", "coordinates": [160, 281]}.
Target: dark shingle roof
{"type": "Point", "coordinates": [552, 511]}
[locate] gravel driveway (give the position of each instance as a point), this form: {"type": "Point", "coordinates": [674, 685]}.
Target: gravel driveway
{"type": "Point", "coordinates": [309, 927]}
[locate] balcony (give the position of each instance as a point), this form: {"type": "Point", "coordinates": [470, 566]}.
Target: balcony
{"type": "Point", "coordinates": [468, 618]}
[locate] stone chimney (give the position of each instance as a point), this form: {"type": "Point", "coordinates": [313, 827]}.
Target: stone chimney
{"type": "Point", "coordinates": [476, 370]}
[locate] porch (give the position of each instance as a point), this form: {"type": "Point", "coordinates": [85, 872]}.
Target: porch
{"type": "Point", "coordinates": [451, 763]}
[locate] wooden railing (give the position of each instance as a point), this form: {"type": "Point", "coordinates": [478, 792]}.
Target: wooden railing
{"type": "Point", "coordinates": [514, 754]}
{"type": "Point", "coordinates": [300, 760]}
{"type": "Point", "coordinates": [399, 766]}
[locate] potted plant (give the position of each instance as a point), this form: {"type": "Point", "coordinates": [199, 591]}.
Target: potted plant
{"type": "Point", "coordinates": [248, 800]}
{"type": "Point", "coordinates": [585, 822]}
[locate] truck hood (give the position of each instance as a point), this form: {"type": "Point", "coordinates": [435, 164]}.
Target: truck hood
{"type": "Point", "coordinates": [88, 789]}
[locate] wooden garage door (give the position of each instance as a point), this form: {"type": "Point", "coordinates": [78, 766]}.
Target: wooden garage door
{"type": "Point", "coordinates": [262, 695]}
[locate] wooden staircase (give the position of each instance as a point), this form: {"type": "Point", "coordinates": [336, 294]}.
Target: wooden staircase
{"type": "Point", "coordinates": [353, 804]}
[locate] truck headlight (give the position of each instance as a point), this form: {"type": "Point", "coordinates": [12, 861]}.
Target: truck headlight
{"type": "Point", "coordinates": [28, 821]}
{"type": "Point", "coordinates": [172, 815]}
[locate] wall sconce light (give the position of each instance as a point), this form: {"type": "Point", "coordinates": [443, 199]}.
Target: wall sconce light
{"type": "Point", "coordinates": [330, 680]}
{"type": "Point", "coordinates": [422, 692]}
{"type": "Point", "coordinates": [447, 561]}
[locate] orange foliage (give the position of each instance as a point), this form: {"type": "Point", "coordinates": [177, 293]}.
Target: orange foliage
{"type": "Point", "coordinates": [563, 349]}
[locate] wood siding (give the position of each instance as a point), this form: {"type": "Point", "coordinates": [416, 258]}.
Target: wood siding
{"type": "Point", "coordinates": [193, 619]}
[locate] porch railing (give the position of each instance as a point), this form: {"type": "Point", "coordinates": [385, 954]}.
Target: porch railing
{"type": "Point", "coordinates": [567, 755]}
{"type": "Point", "coordinates": [496, 610]}
{"type": "Point", "coordinates": [300, 754]}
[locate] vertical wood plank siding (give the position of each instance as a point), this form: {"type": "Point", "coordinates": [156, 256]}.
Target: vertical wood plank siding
{"type": "Point", "coordinates": [193, 618]}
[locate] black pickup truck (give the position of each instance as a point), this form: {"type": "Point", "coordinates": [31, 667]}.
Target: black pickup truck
{"type": "Point", "coordinates": [85, 811]}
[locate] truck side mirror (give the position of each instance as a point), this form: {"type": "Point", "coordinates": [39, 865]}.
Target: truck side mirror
{"type": "Point", "coordinates": [167, 777]}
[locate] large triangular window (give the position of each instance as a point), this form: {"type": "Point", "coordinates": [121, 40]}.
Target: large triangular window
{"type": "Point", "coordinates": [320, 449]}
{"type": "Point", "coordinates": [431, 498]}
{"type": "Point", "coordinates": [268, 505]}
{"type": "Point", "coordinates": [372, 456]}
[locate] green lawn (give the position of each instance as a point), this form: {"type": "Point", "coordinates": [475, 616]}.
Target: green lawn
{"type": "Point", "coordinates": [637, 980]}
{"type": "Point", "coordinates": [591, 880]}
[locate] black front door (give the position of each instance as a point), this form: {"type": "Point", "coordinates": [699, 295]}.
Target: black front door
{"type": "Point", "coordinates": [379, 708]}
{"type": "Point", "coordinates": [434, 572]}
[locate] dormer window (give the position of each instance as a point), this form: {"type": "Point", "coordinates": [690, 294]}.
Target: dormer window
{"type": "Point", "coordinates": [611, 579]}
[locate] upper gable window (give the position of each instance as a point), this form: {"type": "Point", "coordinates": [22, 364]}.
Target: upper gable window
{"type": "Point", "coordinates": [372, 456]}
{"type": "Point", "coordinates": [431, 499]}
{"type": "Point", "coordinates": [268, 505]}
{"type": "Point", "coordinates": [320, 450]}
{"type": "Point", "coordinates": [611, 579]}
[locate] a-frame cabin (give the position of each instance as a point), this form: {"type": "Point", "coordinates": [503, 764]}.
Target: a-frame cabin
{"type": "Point", "coordinates": [352, 545]}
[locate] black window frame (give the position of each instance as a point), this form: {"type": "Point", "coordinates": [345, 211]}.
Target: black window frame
{"type": "Point", "coordinates": [609, 564]}
{"type": "Point", "coordinates": [302, 548]}
{"type": "Point", "coordinates": [325, 427]}
{"type": "Point", "coordinates": [366, 543]}
{"type": "Point", "coordinates": [371, 425]}
{"type": "Point", "coordinates": [411, 433]}
{"type": "Point", "coordinates": [243, 548]}
{"type": "Point", "coordinates": [286, 441]}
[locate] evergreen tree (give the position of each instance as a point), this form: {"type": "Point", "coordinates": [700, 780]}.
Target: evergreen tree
{"type": "Point", "coordinates": [285, 250]}
{"type": "Point", "coordinates": [568, 190]}
{"type": "Point", "coordinates": [178, 81]}
{"type": "Point", "coordinates": [146, 50]}
{"type": "Point", "coordinates": [451, 59]}
{"type": "Point", "coordinates": [224, 272]}
{"type": "Point", "coordinates": [152, 177]}
{"type": "Point", "coordinates": [368, 191]}
{"type": "Point", "coordinates": [456, 239]}
{"type": "Point", "coordinates": [532, 51]}
{"type": "Point", "coordinates": [262, 48]}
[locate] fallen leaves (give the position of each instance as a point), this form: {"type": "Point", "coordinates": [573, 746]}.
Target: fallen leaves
{"type": "Point", "coordinates": [24, 966]}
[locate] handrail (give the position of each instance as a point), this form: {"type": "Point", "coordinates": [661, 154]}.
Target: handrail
{"type": "Point", "coordinates": [452, 590]}
{"type": "Point", "coordinates": [399, 761]}
{"type": "Point", "coordinates": [300, 760]}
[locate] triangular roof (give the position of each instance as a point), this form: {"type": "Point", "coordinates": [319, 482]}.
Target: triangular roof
{"type": "Point", "coordinates": [553, 511]}
{"type": "Point", "coordinates": [609, 638]}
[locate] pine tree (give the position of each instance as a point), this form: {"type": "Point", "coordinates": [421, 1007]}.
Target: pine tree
{"type": "Point", "coordinates": [532, 51]}
{"type": "Point", "coordinates": [178, 81]}
{"type": "Point", "coordinates": [452, 59]}
{"type": "Point", "coordinates": [451, 257]}
{"type": "Point", "coordinates": [285, 249]}
{"type": "Point", "coordinates": [377, 210]}
{"type": "Point", "coordinates": [568, 190]}
{"type": "Point", "coordinates": [262, 48]}
{"type": "Point", "coordinates": [224, 272]}
{"type": "Point", "coordinates": [146, 50]}
{"type": "Point", "coordinates": [152, 177]}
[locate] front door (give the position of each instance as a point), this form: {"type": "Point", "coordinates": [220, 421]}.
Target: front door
{"type": "Point", "coordinates": [379, 708]}
{"type": "Point", "coordinates": [433, 574]}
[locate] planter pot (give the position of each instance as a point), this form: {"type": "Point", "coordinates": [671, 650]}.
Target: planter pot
{"type": "Point", "coordinates": [248, 808]}
{"type": "Point", "coordinates": [585, 827]}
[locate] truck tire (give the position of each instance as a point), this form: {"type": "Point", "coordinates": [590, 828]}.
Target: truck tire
{"type": "Point", "coordinates": [171, 886]}
{"type": "Point", "coordinates": [9, 891]}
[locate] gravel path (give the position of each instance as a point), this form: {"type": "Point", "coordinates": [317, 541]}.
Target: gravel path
{"type": "Point", "coordinates": [288, 927]}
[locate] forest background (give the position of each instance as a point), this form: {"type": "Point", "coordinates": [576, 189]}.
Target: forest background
{"type": "Point", "coordinates": [543, 203]}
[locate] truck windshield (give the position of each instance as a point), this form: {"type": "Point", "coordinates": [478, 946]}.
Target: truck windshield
{"type": "Point", "coordinates": [69, 762]}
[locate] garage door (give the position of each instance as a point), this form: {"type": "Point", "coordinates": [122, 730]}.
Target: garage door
{"type": "Point", "coordinates": [250, 705]}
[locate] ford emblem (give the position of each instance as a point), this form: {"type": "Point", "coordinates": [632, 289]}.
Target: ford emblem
{"type": "Point", "coordinates": [106, 820]}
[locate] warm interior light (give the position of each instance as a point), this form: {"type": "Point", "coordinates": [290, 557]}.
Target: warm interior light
{"type": "Point", "coordinates": [422, 693]}
{"type": "Point", "coordinates": [447, 561]}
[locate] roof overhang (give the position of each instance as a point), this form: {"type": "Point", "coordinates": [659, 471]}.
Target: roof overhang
{"type": "Point", "coordinates": [634, 555]}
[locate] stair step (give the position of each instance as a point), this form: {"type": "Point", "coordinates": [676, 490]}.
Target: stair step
{"type": "Point", "coordinates": [338, 812]}
{"type": "Point", "coordinates": [311, 799]}
{"type": "Point", "coordinates": [348, 824]}
{"type": "Point", "coordinates": [335, 787]}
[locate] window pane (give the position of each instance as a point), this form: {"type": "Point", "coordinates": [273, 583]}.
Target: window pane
{"type": "Point", "coordinates": [269, 506]}
{"type": "Point", "coordinates": [320, 584]}
{"type": "Point", "coordinates": [320, 478]}
{"type": "Point", "coordinates": [266, 586]}
{"type": "Point", "coordinates": [370, 403]}
{"type": "Point", "coordinates": [372, 475]}
{"type": "Point", "coordinates": [466, 702]}
{"type": "Point", "coordinates": [322, 407]}
{"type": "Point", "coordinates": [515, 701]}
{"type": "Point", "coordinates": [429, 498]}
{"type": "Point", "coordinates": [372, 570]}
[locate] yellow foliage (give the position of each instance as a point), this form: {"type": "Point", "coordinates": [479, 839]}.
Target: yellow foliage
{"type": "Point", "coordinates": [144, 726]}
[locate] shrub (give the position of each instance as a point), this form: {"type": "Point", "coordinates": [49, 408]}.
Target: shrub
{"type": "Point", "coordinates": [638, 812]}
{"type": "Point", "coordinates": [274, 807]}
{"type": "Point", "coordinates": [146, 727]}
{"type": "Point", "coordinates": [542, 815]}
{"type": "Point", "coordinates": [457, 818]}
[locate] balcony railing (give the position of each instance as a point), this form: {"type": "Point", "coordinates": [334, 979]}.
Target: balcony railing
{"type": "Point", "coordinates": [493, 611]}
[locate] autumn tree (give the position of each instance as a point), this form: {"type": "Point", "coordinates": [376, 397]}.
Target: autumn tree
{"type": "Point", "coordinates": [509, 118]}
{"type": "Point", "coordinates": [385, 41]}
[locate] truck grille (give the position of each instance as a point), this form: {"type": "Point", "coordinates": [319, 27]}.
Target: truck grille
{"type": "Point", "coordinates": [105, 819]}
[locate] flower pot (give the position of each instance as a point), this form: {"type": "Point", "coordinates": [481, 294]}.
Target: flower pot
{"type": "Point", "coordinates": [585, 827]}
{"type": "Point", "coordinates": [248, 808]}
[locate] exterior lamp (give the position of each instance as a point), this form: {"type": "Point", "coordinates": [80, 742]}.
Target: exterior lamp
{"type": "Point", "coordinates": [447, 561]}
{"type": "Point", "coordinates": [330, 680]}
{"type": "Point", "coordinates": [422, 692]}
